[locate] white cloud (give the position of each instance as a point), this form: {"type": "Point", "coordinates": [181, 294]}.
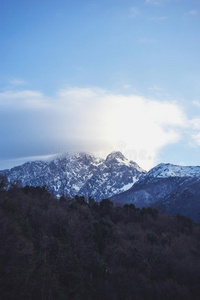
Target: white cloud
{"type": "Point", "coordinates": [126, 86]}
{"type": "Point", "coordinates": [10, 163]}
{"type": "Point", "coordinates": [196, 103]}
{"type": "Point", "coordinates": [193, 12]}
{"type": "Point", "coordinates": [134, 11]}
{"type": "Point", "coordinates": [24, 94]}
{"type": "Point", "coordinates": [106, 119]}
{"type": "Point", "coordinates": [22, 99]}
{"type": "Point", "coordinates": [17, 81]}
{"type": "Point", "coordinates": [156, 88]}
{"type": "Point", "coordinates": [194, 125]}
{"type": "Point", "coordinates": [196, 139]}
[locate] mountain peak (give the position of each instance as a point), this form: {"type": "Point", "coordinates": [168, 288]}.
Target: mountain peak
{"type": "Point", "coordinates": [169, 170]}
{"type": "Point", "coordinates": [79, 173]}
{"type": "Point", "coordinates": [115, 155]}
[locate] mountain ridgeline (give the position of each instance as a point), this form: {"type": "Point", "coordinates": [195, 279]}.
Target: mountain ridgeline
{"type": "Point", "coordinates": [170, 188]}
{"type": "Point", "coordinates": [173, 189]}
{"type": "Point", "coordinates": [79, 174]}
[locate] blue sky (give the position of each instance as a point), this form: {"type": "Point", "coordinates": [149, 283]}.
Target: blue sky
{"type": "Point", "coordinates": [100, 76]}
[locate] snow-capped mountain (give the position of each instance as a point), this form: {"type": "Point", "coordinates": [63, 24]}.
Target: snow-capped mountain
{"type": "Point", "coordinates": [79, 174]}
{"type": "Point", "coordinates": [115, 175]}
{"type": "Point", "coordinates": [175, 189]}
{"type": "Point", "coordinates": [169, 170]}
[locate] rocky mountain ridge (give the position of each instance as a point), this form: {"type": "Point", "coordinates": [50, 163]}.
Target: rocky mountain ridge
{"type": "Point", "coordinates": [172, 188]}
{"type": "Point", "coordinates": [84, 174]}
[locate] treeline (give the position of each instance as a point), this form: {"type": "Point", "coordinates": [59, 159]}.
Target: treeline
{"type": "Point", "coordinates": [80, 250]}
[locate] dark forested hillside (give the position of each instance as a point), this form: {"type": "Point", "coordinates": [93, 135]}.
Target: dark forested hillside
{"type": "Point", "coordinates": [52, 249]}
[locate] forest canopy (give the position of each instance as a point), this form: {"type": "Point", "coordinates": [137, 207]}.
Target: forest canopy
{"type": "Point", "coordinates": [80, 250]}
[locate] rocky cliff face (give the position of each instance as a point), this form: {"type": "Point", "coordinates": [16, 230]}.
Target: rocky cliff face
{"type": "Point", "coordinates": [79, 174]}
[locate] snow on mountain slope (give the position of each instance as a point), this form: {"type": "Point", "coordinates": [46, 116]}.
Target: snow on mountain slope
{"type": "Point", "coordinates": [175, 189]}
{"type": "Point", "coordinates": [169, 170]}
{"type": "Point", "coordinates": [115, 175]}
{"type": "Point", "coordinates": [79, 174]}
{"type": "Point", "coordinates": [160, 183]}
{"type": "Point", "coordinates": [64, 174]}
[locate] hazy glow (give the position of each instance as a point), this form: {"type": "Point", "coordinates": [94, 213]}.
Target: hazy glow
{"type": "Point", "coordinates": [131, 124]}
{"type": "Point", "coordinates": [99, 121]}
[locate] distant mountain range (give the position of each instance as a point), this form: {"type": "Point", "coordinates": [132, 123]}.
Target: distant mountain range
{"type": "Point", "coordinates": [171, 188]}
